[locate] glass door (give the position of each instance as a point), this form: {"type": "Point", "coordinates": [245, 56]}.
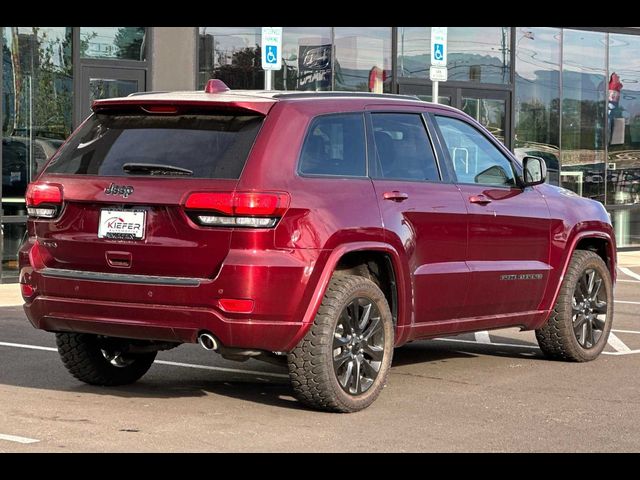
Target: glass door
{"type": "Point", "coordinates": [108, 82]}
{"type": "Point", "coordinates": [492, 108]}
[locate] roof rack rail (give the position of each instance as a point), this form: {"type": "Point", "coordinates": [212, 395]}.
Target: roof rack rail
{"type": "Point", "coordinates": [343, 94]}
{"type": "Point", "coordinates": [135, 94]}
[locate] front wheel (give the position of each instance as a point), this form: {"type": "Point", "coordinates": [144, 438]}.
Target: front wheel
{"type": "Point", "coordinates": [100, 360]}
{"type": "Point", "coordinates": [580, 322]}
{"type": "Point", "coordinates": [341, 365]}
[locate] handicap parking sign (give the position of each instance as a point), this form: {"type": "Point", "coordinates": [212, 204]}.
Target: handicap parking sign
{"type": "Point", "coordinates": [438, 51]}
{"type": "Point", "coordinates": [272, 54]}
{"type": "Point", "coordinates": [271, 46]}
{"type": "Point", "coordinates": [439, 46]}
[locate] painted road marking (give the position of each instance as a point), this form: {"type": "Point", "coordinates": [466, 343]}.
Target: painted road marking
{"type": "Point", "coordinates": [617, 344]}
{"type": "Point", "coordinates": [163, 362]}
{"type": "Point", "coordinates": [627, 281]}
{"type": "Point", "coordinates": [628, 303]}
{"type": "Point", "coordinates": [630, 273]}
{"type": "Point", "coordinates": [15, 438]}
{"type": "Point", "coordinates": [483, 337]}
{"type": "Point", "coordinates": [620, 351]}
{"type": "Point", "coordinates": [624, 331]}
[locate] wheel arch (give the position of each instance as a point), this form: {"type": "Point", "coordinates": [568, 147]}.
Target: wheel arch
{"type": "Point", "coordinates": [600, 242]}
{"type": "Point", "coordinates": [362, 258]}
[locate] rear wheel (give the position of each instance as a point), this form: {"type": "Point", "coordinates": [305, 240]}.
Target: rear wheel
{"type": "Point", "coordinates": [342, 363]}
{"type": "Point", "coordinates": [101, 360]}
{"type": "Point", "coordinates": [581, 319]}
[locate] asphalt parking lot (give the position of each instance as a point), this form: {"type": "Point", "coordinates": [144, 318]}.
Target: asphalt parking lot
{"type": "Point", "coordinates": [479, 392]}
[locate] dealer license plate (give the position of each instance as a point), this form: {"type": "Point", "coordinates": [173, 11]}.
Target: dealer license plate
{"type": "Point", "coordinates": [122, 224]}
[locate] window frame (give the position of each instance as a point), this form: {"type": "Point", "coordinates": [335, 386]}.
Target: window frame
{"type": "Point", "coordinates": [515, 165]}
{"type": "Point", "coordinates": [372, 169]}
{"type": "Point", "coordinates": [311, 122]}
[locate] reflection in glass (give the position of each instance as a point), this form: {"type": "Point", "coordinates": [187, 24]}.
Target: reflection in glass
{"type": "Point", "coordinates": [231, 54]}
{"type": "Point", "coordinates": [124, 43]}
{"type": "Point", "coordinates": [583, 113]}
{"type": "Point", "coordinates": [12, 236]}
{"type": "Point", "coordinates": [626, 223]}
{"type": "Point", "coordinates": [36, 105]}
{"type": "Point", "coordinates": [306, 59]}
{"type": "Point", "coordinates": [110, 88]}
{"type": "Point", "coordinates": [623, 109]}
{"type": "Point", "coordinates": [537, 97]}
{"type": "Point", "coordinates": [476, 54]}
{"type": "Point", "coordinates": [363, 59]}
{"type": "Point", "coordinates": [490, 112]}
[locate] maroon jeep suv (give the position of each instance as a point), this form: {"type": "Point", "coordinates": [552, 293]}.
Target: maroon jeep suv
{"type": "Point", "coordinates": [317, 229]}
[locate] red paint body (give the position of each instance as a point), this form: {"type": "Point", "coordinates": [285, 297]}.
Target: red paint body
{"type": "Point", "coordinates": [448, 252]}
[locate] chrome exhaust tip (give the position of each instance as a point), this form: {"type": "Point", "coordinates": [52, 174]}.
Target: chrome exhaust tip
{"type": "Point", "coordinates": [207, 341]}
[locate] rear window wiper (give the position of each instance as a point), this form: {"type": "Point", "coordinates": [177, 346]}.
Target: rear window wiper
{"type": "Point", "coordinates": [155, 169]}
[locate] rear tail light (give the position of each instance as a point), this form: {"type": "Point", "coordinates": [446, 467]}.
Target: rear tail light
{"type": "Point", "coordinates": [237, 209]}
{"type": "Point", "coordinates": [44, 200]}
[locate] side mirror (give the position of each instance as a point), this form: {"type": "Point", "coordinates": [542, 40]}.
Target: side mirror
{"type": "Point", "coordinates": [535, 171]}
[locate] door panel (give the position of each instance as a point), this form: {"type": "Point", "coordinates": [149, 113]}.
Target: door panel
{"type": "Point", "coordinates": [509, 227]}
{"type": "Point", "coordinates": [423, 218]}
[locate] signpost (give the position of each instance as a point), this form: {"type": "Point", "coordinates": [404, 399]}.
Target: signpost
{"type": "Point", "coordinates": [271, 53]}
{"type": "Point", "coordinates": [438, 70]}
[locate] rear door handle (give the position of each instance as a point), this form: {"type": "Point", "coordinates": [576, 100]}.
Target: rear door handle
{"type": "Point", "coordinates": [396, 196]}
{"type": "Point", "coordinates": [480, 199]}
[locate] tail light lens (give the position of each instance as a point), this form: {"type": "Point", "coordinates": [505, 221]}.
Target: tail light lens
{"type": "Point", "coordinates": [44, 200]}
{"type": "Point", "coordinates": [237, 209]}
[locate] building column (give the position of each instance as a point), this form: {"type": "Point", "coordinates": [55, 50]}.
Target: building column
{"type": "Point", "coordinates": [173, 58]}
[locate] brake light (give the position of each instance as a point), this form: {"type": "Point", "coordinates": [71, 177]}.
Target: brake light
{"type": "Point", "coordinates": [44, 200]}
{"type": "Point", "coordinates": [239, 209]}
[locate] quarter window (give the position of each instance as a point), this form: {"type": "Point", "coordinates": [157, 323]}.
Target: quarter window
{"type": "Point", "coordinates": [475, 159]}
{"type": "Point", "coordinates": [335, 145]}
{"type": "Point", "coordinates": [403, 149]}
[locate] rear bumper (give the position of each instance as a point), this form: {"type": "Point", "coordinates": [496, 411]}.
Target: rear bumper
{"type": "Point", "coordinates": [155, 322]}
{"type": "Point", "coordinates": [176, 309]}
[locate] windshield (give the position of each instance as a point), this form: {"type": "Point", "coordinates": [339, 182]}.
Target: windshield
{"type": "Point", "coordinates": [210, 146]}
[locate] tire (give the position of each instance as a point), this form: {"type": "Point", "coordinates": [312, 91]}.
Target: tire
{"type": "Point", "coordinates": [566, 335]}
{"type": "Point", "coordinates": [82, 354]}
{"type": "Point", "coordinates": [320, 373]}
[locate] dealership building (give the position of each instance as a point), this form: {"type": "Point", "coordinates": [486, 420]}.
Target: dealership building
{"type": "Point", "coordinates": [570, 96]}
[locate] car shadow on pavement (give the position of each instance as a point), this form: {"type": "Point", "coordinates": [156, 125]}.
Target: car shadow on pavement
{"type": "Point", "coordinates": [438, 350]}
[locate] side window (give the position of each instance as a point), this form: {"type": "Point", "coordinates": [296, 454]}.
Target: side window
{"type": "Point", "coordinates": [335, 145]}
{"type": "Point", "coordinates": [475, 159]}
{"type": "Point", "coordinates": [403, 149]}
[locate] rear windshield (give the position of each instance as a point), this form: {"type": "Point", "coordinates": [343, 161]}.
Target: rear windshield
{"type": "Point", "coordinates": [207, 146]}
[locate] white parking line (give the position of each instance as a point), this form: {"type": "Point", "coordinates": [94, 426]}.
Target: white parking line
{"type": "Point", "coordinates": [15, 438]}
{"type": "Point", "coordinates": [628, 351]}
{"type": "Point", "coordinates": [617, 344]}
{"type": "Point", "coordinates": [630, 273]}
{"type": "Point", "coordinates": [628, 303]}
{"type": "Point", "coordinates": [627, 281]}
{"type": "Point", "coordinates": [483, 337]}
{"type": "Point", "coordinates": [163, 362]}
{"type": "Point", "coordinates": [624, 331]}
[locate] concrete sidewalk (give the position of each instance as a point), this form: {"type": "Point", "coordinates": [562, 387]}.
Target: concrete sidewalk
{"type": "Point", "coordinates": [10, 292]}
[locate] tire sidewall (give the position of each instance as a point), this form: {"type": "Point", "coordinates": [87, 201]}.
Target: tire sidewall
{"type": "Point", "coordinates": [351, 402]}
{"type": "Point", "coordinates": [596, 263]}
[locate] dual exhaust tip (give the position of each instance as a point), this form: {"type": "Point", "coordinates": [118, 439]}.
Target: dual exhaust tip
{"type": "Point", "coordinates": [207, 341]}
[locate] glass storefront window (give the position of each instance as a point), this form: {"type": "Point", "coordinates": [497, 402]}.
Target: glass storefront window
{"type": "Point", "coordinates": [623, 110]}
{"type": "Point", "coordinates": [306, 59]}
{"type": "Point", "coordinates": [123, 43]}
{"type": "Point", "coordinates": [36, 105]}
{"type": "Point", "coordinates": [362, 59]}
{"type": "Point", "coordinates": [474, 54]}
{"type": "Point", "coordinates": [583, 113]}
{"type": "Point", "coordinates": [537, 96]}
{"type": "Point", "coordinates": [231, 54]}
